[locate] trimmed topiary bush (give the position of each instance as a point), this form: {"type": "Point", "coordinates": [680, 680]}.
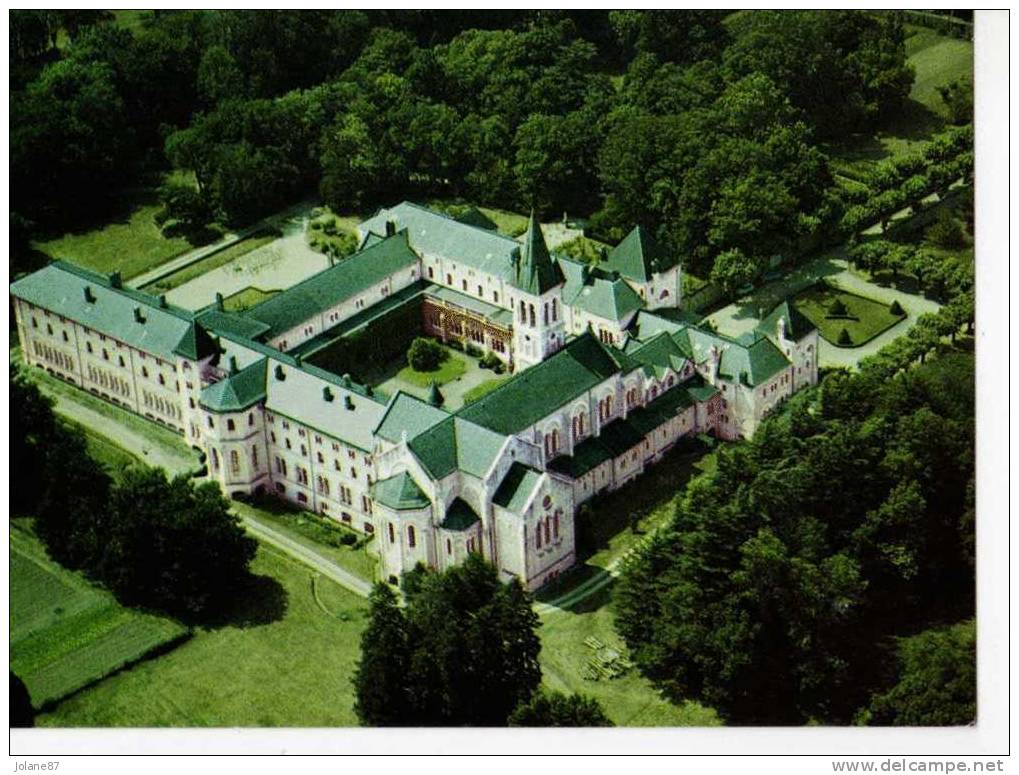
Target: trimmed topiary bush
{"type": "Point", "coordinates": [896, 308]}
{"type": "Point", "coordinates": [425, 354]}
{"type": "Point", "coordinates": [838, 308]}
{"type": "Point", "coordinates": [844, 338]}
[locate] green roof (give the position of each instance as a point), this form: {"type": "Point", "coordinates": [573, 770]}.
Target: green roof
{"type": "Point", "coordinates": [399, 492]}
{"type": "Point", "coordinates": [440, 235]}
{"type": "Point", "coordinates": [620, 437]}
{"type": "Point", "coordinates": [797, 325]}
{"type": "Point", "coordinates": [332, 286]}
{"type": "Point", "coordinates": [456, 444]}
{"type": "Point", "coordinates": [516, 487]}
{"type": "Point", "coordinates": [535, 271]}
{"type": "Point", "coordinates": [239, 391]}
{"type": "Point", "coordinates": [196, 343]}
{"type": "Point", "coordinates": [220, 322]}
{"type": "Point", "coordinates": [598, 293]}
{"type": "Point", "coordinates": [409, 414]}
{"type": "Point", "coordinates": [540, 390]}
{"type": "Point", "coordinates": [588, 454]}
{"type": "Point", "coordinates": [343, 412]}
{"type": "Point", "coordinates": [650, 323]}
{"type": "Point", "coordinates": [100, 303]}
{"type": "Point", "coordinates": [639, 256]}
{"type": "Point", "coordinates": [657, 354]}
{"type": "Point", "coordinates": [497, 315]}
{"type": "Point", "coordinates": [459, 516]}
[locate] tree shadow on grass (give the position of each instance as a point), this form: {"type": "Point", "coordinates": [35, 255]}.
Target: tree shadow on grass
{"type": "Point", "coordinates": [258, 601]}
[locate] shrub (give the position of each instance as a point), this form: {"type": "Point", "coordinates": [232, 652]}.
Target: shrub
{"type": "Point", "coordinates": [844, 338]}
{"type": "Point", "coordinates": [896, 308]}
{"type": "Point", "coordinates": [499, 368]}
{"type": "Point", "coordinates": [838, 308]}
{"type": "Point", "coordinates": [474, 351]}
{"type": "Point", "coordinates": [946, 231]}
{"type": "Point", "coordinates": [489, 361]}
{"type": "Point", "coordinates": [425, 354]}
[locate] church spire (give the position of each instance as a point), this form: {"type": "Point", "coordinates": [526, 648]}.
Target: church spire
{"type": "Point", "coordinates": [536, 272]}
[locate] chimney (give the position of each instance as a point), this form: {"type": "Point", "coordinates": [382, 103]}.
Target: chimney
{"type": "Point", "coordinates": [346, 380]}
{"type": "Point", "coordinates": [162, 301]}
{"type": "Point", "coordinates": [279, 373]}
{"type": "Point", "coordinates": [390, 228]}
{"type": "Point", "coordinates": [327, 394]}
{"type": "Point", "coordinates": [233, 365]}
{"type": "Point", "coordinates": [219, 300]}
{"type": "Point", "coordinates": [348, 402]}
{"type": "Point", "coordinates": [115, 281]}
{"type": "Point", "coordinates": [89, 296]}
{"type": "Point", "coordinates": [138, 316]}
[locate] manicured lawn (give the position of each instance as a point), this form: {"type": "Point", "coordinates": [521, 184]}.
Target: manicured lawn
{"type": "Point", "coordinates": [247, 299]}
{"type": "Point", "coordinates": [869, 318]}
{"type": "Point", "coordinates": [133, 245]}
{"type": "Point", "coordinates": [938, 60]}
{"type": "Point", "coordinates": [448, 370]}
{"type": "Point", "coordinates": [319, 534]}
{"type": "Point", "coordinates": [629, 699]}
{"type": "Point", "coordinates": [286, 661]}
{"type": "Point", "coordinates": [216, 260]}
{"type": "Point", "coordinates": [483, 389]}
{"type": "Point", "coordinates": [65, 632]}
{"type": "Point", "coordinates": [508, 223]}
{"type": "Point", "coordinates": [113, 457]}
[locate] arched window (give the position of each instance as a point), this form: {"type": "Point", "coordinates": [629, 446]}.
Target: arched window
{"type": "Point", "coordinates": [530, 309]}
{"type": "Point", "coordinates": [664, 294]}
{"type": "Point", "coordinates": [555, 310]}
{"type": "Point", "coordinates": [235, 462]}
{"type": "Point", "coordinates": [545, 314]}
{"type": "Point", "coordinates": [392, 534]}
{"type": "Point", "coordinates": [215, 459]}
{"type": "Point", "coordinates": [523, 312]}
{"type": "Point", "coordinates": [537, 537]}
{"type": "Point", "coordinates": [254, 457]}
{"type": "Point", "coordinates": [555, 523]}
{"type": "Point", "coordinates": [411, 537]}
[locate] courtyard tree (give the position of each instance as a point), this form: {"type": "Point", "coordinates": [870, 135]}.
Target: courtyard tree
{"type": "Point", "coordinates": [733, 269]}
{"type": "Point", "coordinates": [425, 354]}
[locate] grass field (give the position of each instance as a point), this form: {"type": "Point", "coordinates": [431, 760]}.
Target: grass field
{"type": "Point", "coordinates": [288, 662]}
{"type": "Point", "coordinates": [448, 370]}
{"type": "Point", "coordinates": [870, 317]}
{"type": "Point", "coordinates": [508, 223]}
{"type": "Point", "coordinates": [247, 299]}
{"type": "Point", "coordinates": [67, 633]}
{"type": "Point", "coordinates": [630, 699]}
{"type": "Point", "coordinates": [216, 260]}
{"type": "Point", "coordinates": [114, 458]}
{"type": "Point", "coordinates": [938, 61]}
{"type": "Point", "coordinates": [483, 389]}
{"type": "Point", "coordinates": [132, 245]}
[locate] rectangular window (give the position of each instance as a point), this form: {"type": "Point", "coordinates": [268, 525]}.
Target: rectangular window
{"type": "Point", "coordinates": [392, 534]}
{"type": "Point", "coordinates": [411, 537]}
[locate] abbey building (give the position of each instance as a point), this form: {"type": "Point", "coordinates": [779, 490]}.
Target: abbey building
{"type": "Point", "coordinates": [606, 378]}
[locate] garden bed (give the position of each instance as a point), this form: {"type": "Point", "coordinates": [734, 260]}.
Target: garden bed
{"type": "Point", "coordinates": [863, 318]}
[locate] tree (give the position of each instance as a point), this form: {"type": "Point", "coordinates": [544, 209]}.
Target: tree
{"type": "Point", "coordinates": [946, 231]}
{"type": "Point", "coordinates": [958, 99]}
{"type": "Point", "coordinates": [896, 309]}
{"type": "Point", "coordinates": [22, 714]}
{"type": "Point", "coordinates": [936, 683]}
{"type": "Point", "coordinates": [472, 651]}
{"type": "Point", "coordinates": [733, 269]}
{"type": "Point", "coordinates": [219, 77]}
{"type": "Point", "coordinates": [838, 308]}
{"type": "Point", "coordinates": [380, 678]}
{"type": "Point", "coordinates": [555, 709]}
{"type": "Point", "coordinates": [173, 545]}
{"type": "Point", "coordinates": [425, 354]}
{"type": "Point", "coordinates": [184, 204]}
{"type": "Point", "coordinates": [845, 340]}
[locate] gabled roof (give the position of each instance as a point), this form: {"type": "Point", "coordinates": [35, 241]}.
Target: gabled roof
{"type": "Point", "coordinates": [459, 516]}
{"type": "Point", "coordinates": [239, 391]}
{"type": "Point", "coordinates": [540, 390]}
{"type": "Point", "coordinates": [351, 276]}
{"type": "Point", "coordinates": [797, 325]}
{"type": "Point", "coordinates": [399, 492]}
{"type": "Point", "coordinates": [336, 407]}
{"type": "Point", "coordinates": [196, 343]}
{"type": "Point", "coordinates": [440, 235]}
{"type": "Point", "coordinates": [456, 444]}
{"type": "Point", "coordinates": [104, 305]}
{"type": "Point", "coordinates": [657, 354]}
{"type": "Point", "coordinates": [535, 272]}
{"type": "Point", "coordinates": [517, 487]}
{"type": "Point", "coordinates": [639, 256]}
{"type": "Point", "coordinates": [406, 413]}
{"type": "Point", "coordinates": [220, 322]}
{"type": "Point", "coordinates": [598, 293]}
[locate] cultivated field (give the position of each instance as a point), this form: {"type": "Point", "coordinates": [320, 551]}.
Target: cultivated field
{"type": "Point", "coordinates": [286, 660]}
{"type": "Point", "coordinates": [66, 633]}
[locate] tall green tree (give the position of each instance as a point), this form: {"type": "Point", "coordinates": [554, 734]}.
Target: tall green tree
{"type": "Point", "coordinates": [555, 709]}
{"type": "Point", "coordinates": [380, 679]}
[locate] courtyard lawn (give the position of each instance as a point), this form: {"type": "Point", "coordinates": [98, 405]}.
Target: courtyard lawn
{"type": "Point", "coordinates": [938, 60]}
{"type": "Point", "coordinates": [452, 368]}
{"type": "Point", "coordinates": [483, 389]}
{"type": "Point", "coordinates": [246, 299]}
{"type": "Point", "coordinates": [629, 699]}
{"type": "Point", "coordinates": [67, 633]}
{"type": "Point", "coordinates": [132, 245]}
{"type": "Point", "coordinates": [216, 260]}
{"type": "Point", "coordinates": [287, 660]}
{"type": "Point", "coordinates": [320, 534]}
{"type": "Point", "coordinates": [867, 319]}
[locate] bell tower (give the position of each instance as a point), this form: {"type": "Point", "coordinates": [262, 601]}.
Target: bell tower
{"type": "Point", "coordinates": [539, 322]}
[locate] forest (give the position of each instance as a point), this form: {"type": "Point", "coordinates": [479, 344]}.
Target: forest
{"type": "Point", "coordinates": [708, 126]}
